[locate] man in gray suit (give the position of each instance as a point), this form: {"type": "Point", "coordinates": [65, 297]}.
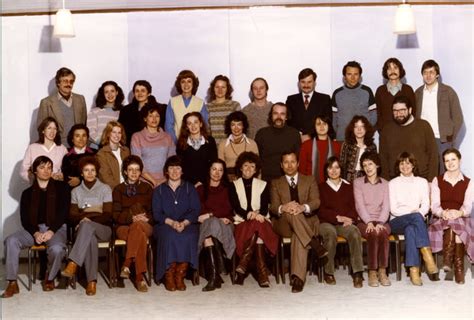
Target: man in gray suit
{"type": "Point", "coordinates": [294, 199]}
{"type": "Point", "coordinates": [66, 107]}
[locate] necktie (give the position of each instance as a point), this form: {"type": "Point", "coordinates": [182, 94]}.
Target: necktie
{"type": "Point", "coordinates": [292, 183]}
{"type": "Point", "coordinates": [306, 101]}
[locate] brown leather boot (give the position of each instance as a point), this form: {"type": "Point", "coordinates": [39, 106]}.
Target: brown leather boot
{"type": "Point", "coordinates": [91, 288]}
{"type": "Point", "coordinates": [246, 255]}
{"type": "Point", "coordinates": [262, 271]}
{"type": "Point", "coordinates": [12, 288]}
{"type": "Point", "coordinates": [459, 263]}
{"type": "Point", "coordinates": [373, 278]}
{"type": "Point", "coordinates": [383, 278]}
{"type": "Point", "coordinates": [181, 269]}
{"type": "Point", "coordinates": [170, 283]}
{"type": "Point", "coordinates": [448, 249]}
{"type": "Point", "coordinates": [415, 276]}
{"type": "Point", "coordinates": [70, 270]}
{"type": "Point", "coordinates": [430, 264]}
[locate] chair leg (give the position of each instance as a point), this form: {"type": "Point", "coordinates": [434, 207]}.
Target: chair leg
{"type": "Point", "coordinates": [398, 259]}
{"type": "Point", "coordinates": [234, 266]}
{"type": "Point", "coordinates": [29, 270]}
{"type": "Point", "coordinates": [281, 261]}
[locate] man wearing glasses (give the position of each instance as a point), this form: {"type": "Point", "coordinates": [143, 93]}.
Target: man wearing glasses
{"type": "Point", "coordinates": [66, 107]}
{"type": "Point", "coordinates": [407, 134]}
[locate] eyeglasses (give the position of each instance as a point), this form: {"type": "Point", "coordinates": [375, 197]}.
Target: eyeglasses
{"type": "Point", "coordinates": [67, 81]}
{"type": "Point", "coordinates": [397, 111]}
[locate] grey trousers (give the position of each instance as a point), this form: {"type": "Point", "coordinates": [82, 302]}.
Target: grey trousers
{"type": "Point", "coordinates": [352, 234]}
{"type": "Point", "coordinates": [56, 250]}
{"type": "Point", "coordinates": [85, 251]}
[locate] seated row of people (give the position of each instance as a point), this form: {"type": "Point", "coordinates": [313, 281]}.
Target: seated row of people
{"type": "Point", "coordinates": [293, 206]}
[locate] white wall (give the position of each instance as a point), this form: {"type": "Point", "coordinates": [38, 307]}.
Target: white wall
{"type": "Point", "coordinates": [275, 43]}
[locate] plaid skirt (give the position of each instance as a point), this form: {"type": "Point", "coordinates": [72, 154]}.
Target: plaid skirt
{"type": "Point", "coordinates": [245, 230]}
{"type": "Point", "coordinates": [462, 227]}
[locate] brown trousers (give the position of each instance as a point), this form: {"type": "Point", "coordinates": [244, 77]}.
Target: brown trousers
{"type": "Point", "coordinates": [300, 229]}
{"type": "Point", "coordinates": [136, 235]}
{"type": "Point", "coordinates": [377, 246]}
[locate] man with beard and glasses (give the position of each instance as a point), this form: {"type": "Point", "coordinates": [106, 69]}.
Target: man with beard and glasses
{"type": "Point", "coordinates": [67, 107]}
{"type": "Point", "coordinates": [393, 72]}
{"type": "Point", "coordinates": [275, 139]}
{"type": "Point", "coordinates": [407, 134]}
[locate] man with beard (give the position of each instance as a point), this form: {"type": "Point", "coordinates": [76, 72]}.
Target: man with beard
{"type": "Point", "coordinates": [66, 107]}
{"type": "Point", "coordinates": [407, 134]}
{"type": "Point", "coordinates": [393, 72]}
{"type": "Point", "coordinates": [305, 106]}
{"type": "Point", "coordinates": [276, 139]}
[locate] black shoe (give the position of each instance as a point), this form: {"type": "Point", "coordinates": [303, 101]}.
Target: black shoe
{"type": "Point", "coordinates": [239, 278]}
{"type": "Point", "coordinates": [211, 271]}
{"type": "Point", "coordinates": [329, 279]}
{"type": "Point", "coordinates": [315, 243]}
{"type": "Point", "coordinates": [298, 285]}
{"type": "Point", "coordinates": [433, 276]}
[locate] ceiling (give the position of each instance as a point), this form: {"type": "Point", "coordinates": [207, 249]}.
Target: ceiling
{"type": "Point", "coordinates": [21, 7]}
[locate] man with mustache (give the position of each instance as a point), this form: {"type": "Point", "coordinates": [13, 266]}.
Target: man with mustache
{"type": "Point", "coordinates": [305, 106]}
{"type": "Point", "coordinates": [66, 107]}
{"type": "Point", "coordinates": [393, 72]}
{"type": "Point", "coordinates": [276, 139]}
{"type": "Point", "coordinates": [407, 134]}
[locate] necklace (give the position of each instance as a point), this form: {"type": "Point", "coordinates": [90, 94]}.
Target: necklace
{"type": "Point", "coordinates": [175, 194]}
{"type": "Point", "coordinates": [232, 146]}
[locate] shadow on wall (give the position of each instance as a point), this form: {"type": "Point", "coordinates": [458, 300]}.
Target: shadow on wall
{"type": "Point", "coordinates": [52, 89]}
{"type": "Point", "coordinates": [49, 44]}
{"type": "Point", "coordinates": [407, 41]}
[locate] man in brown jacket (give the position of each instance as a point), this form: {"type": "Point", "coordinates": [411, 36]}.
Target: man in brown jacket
{"type": "Point", "coordinates": [294, 198]}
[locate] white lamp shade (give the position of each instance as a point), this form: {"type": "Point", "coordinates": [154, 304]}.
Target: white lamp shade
{"type": "Point", "coordinates": [63, 28]}
{"type": "Point", "coordinates": [404, 20]}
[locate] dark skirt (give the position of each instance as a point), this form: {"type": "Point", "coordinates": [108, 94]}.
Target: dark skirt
{"type": "Point", "coordinates": [214, 227]}
{"type": "Point", "coordinates": [172, 246]}
{"type": "Point", "coordinates": [245, 230]}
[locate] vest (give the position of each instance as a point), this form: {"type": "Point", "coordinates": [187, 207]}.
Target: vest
{"type": "Point", "coordinates": [257, 188]}
{"type": "Point", "coordinates": [452, 197]}
{"type": "Point", "coordinates": [180, 110]}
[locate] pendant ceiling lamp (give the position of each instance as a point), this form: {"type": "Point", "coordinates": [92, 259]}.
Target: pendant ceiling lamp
{"type": "Point", "coordinates": [64, 27]}
{"type": "Point", "coordinates": [404, 19]}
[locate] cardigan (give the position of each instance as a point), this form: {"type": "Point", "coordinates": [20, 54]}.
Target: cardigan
{"type": "Point", "coordinates": [110, 171]}
{"type": "Point", "coordinates": [350, 156]}
{"type": "Point", "coordinates": [196, 163]}
{"type": "Point", "coordinates": [122, 202]}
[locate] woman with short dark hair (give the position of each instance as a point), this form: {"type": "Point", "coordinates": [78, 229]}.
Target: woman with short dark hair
{"type": "Point", "coordinates": [176, 208]}
{"type": "Point", "coordinates": [250, 198]}
{"type": "Point", "coordinates": [132, 215]}
{"type": "Point", "coordinates": [91, 212]}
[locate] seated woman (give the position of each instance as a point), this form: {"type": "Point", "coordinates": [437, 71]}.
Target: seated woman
{"type": "Point", "coordinates": [359, 139]}
{"type": "Point", "coordinates": [250, 198]}
{"type": "Point", "coordinates": [132, 214]}
{"type": "Point", "coordinates": [153, 145]}
{"type": "Point", "coordinates": [315, 152]}
{"type": "Point", "coordinates": [112, 153]}
{"type": "Point", "coordinates": [186, 85]}
{"type": "Point", "coordinates": [43, 211]}
{"type": "Point", "coordinates": [176, 209]}
{"type": "Point", "coordinates": [217, 228]}
{"type": "Point", "coordinates": [236, 126]}
{"type": "Point", "coordinates": [195, 148]}
{"type": "Point", "coordinates": [77, 139]}
{"type": "Point", "coordinates": [452, 195]}
{"type": "Point", "coordinates": [49, 145]}
{"type": "Point", "coordinates": [220, 106]}
{"type": "Point", "coordinates": [108, 103]}
{"type": "Point", "coordinates": [338, 217]}
{"type": "Point", "coordinates": [373, 205]}
{"type": "Point", "coordinates": [91, 212]}
{"type": "Point", "coordinates": [409, 204]}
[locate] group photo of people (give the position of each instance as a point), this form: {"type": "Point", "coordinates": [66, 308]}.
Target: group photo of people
{"type": "Point", "coordinates": [214, 186]}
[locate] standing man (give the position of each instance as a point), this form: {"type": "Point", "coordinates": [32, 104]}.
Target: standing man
{"type": "Point", "coordinates": [438, 104]}
{"type": "Point", "coordinates": [43, 210]}
{"type": "Point", "coordinates": [352, 99]}
{"type": "Point", "coordinates": [66, 107]}
{"type": "Point", "coordinates": [294, 200]}
{"type": "Point", "coordinates": [393, 72]}
{"type": "Point", "coordinates": [407, 134]}
{"type": "Point", "coordinates": [273, 140]}
{"type": "Point", "coordinates": [305, 106]}
{"type": "Point", "coordinates": [257, 111]}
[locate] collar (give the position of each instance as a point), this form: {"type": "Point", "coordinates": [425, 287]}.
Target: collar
{"type": "Point", "coordinates": [410, 121]}
{"type": "Point", "coordinates": [366, 180]}
{"type": "Point", "coordinates": [66, 101]}
{"type": "Point", "coordinates": [295, 178]}
{"type": "Point", "coordinates": [309, 94]}
{"type": "Point", "coordinates": [460, 177]}
{"type": "Point", "coordinates": [432, 90]}
{"type": "Point", "coordinates": [202, 141]}
{"type": "Point", "coordinates": [79, 151]}
{"type": "Point", "coordinates": [333, 185]}
{"type": "Point", "coordinates": [352, 88]}
{"type": "Point", "coordinates": [231, 139]}
{"type": "Point", "coordinates": [391, 87]}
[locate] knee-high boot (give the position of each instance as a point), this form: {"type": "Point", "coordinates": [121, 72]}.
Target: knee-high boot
{"type": "Point", "coordinates": [241, 269]}
{"type": "Point", "coordinates": [430, 264]}
{"type": "Point", "coordinates": [448, 249]}
{"type": "Point", "coordinates": [459, 263]}
{"type": "Point", "coordinates": [213, 278]}
{"type": "Point", "coordinates": [262, 271]}
{"type": "Point", "coordinates": [181, 269]}
{"type": "Point", "coordinates": [219, 256]}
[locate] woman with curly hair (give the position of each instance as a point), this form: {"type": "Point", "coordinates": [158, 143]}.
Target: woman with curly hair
{"type": "Point", "coordinates": [359, 139]}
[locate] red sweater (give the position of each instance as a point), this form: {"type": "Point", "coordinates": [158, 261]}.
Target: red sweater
{"type": "Point", "coordinates": [340, 203]}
